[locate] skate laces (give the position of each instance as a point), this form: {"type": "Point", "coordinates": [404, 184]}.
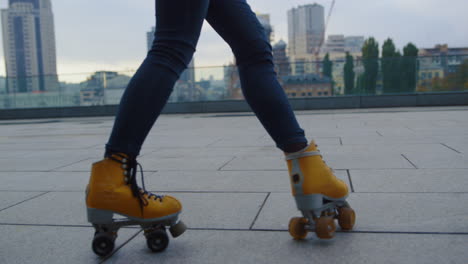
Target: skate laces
{"type": "Point", "coordinates": [130, 165]}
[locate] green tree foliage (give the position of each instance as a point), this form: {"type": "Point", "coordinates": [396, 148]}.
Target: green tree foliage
{"type": "Point", "coordinates": [328, 68]}
{"type": "Point", "coordinates": [349, 74]}
{"type": "Point", "coordinates": [409, 68]}
{"type": "Point", "coordinates": [370, 59]}
{"type": "Point", "coordinates": [391, 72]}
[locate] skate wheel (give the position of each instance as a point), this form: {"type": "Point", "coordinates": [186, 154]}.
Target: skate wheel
{"type": "Point", "coordinates": [177, 229]}
{"type": "Point", "coordinates": [157, 240]}
{"type": "Point", "coordinates": [103, 244]}
{"type": "Point", "coordinates": [325, 227]}
{"type": "Point", "coordinates": [346, 218]}
{"type": "Point", "coordinates": [297, 228]}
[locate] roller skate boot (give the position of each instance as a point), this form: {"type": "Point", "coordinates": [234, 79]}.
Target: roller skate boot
{"type": "Point", "coordinates": [113, 190]}
{"type": "Point", "coordinates": [319, 195]}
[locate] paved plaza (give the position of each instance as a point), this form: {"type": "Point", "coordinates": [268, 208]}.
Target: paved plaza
{"type": "Point", "coordinates": [407, 169]}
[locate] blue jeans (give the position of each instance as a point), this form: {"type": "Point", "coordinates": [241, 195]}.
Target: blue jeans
{"type": "Point", "coordinates": [178, 26]}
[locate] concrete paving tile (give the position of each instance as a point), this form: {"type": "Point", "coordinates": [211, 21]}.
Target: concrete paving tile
{"type": "Point", "coordinates": [256, 141]}
{"type": "Point", "coordinates": [224, 181]}
{"type": "Point", "coordinates": [379, 140]}
{"type": "Point", "coordinates": [194, 163]}
{"type": "Point", "coordinates": [12, 153]}
{"type": "Point", "coordinates": [16, 164]}
{"type": "Point", "coordinates": [46, 244]}
{"type": "Point", "coordinates": [81, 166]}
{"type": "Point", "coordinates": [367, 160]}
{"type": "Point", "coordinates": [201, 210]}
{"type": "Point", "coordinates": [220, 210]}
{"type": "Point", "coordinates": [203, 246]}
{"type": "Point", "coordinates": [44, 146]}
{"type": "Point", "coordinates": [362, 160]}
{"type": "Point", "coordinates": [219, 181]}
{"type": "Point", "coordinates": [437, 161]}
{"type": "Point", "coordinates": [54, 208]}
{"type": "Point", "coordinates": [409, 180]}
{"type": "Point", "coordinates": [43, 181]}
{"type": "Point", "coordinates": [152, 162]}
{"type": "Point", "coordinates": [252, 163]}
{"type": "Point", "coordinates": [210, 152]}
{"type": "Point", "coordinates": [170, 141]}
{"type": "Point", "coordinates": [389, 212]}
{"type": "Point", "coordinates": [12, 198]}
{"type": "Point", "coordinates": [387, 149]}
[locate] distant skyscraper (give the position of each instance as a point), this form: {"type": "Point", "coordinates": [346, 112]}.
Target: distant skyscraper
{"type": "Point", "coordinates": [265, 21]}
{"type": "Point", "coordinates": [189, 74]}
{"type": "Point", "coordinates": [280, 58]}
{"type": "Point", "coordinates": [306, 26]}
{"type": "Point", "coordinates": [150, 37]}
{"type": "Point", "coordinates": [29, 46]}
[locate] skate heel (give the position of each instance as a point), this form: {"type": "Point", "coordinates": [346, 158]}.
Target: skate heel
{"type": "Point", "coordinates": [309, 202]}
{"type": "Point", "coordinates": [98, 216]}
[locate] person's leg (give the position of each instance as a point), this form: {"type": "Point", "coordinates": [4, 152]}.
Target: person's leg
{"type": "Point", "coordinates": [113, 187]}
{"type": "Point", "coordinates": [239, 27]}
{"type": "Point", "coordinates": [319, 194]}
{"type": "Point", "coordinates": [178, 26]}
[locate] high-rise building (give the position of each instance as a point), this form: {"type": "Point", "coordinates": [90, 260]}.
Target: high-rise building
{"type": "Point", "coordinates": [265, 21]}
{"type": "Point", "coordinates": [306, 28]}
{"type": "Point", "coordinates": [29, 46]}
{"type": "Point", "coordinates": [281, 59]}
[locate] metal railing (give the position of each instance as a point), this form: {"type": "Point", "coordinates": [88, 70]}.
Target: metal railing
{"type": "Point", "coordinates": [402, 75]}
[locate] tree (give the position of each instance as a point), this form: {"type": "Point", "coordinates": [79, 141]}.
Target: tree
{"type": "Point", "coordinates": [349, 74]}
{"type": "Point", "coordinates": [390, 63]}
{"type": "Point", "coordinates": [328, 68]}
{"type": "Point", "coordinates": [409, 68]}
{"type": "Point", "coordinates": [370, 59]}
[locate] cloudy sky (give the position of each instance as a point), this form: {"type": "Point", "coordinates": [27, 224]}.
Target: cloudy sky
{"type": "Point", "coordinates": [111, 34]}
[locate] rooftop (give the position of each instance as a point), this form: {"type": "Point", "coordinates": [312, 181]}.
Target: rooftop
{"type": "Point", "coordinates": [407, 168]}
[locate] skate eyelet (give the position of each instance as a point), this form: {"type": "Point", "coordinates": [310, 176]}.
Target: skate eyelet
{"type": "Point", "coordinates": [124, 160]}
{"type": "Point", "coordinates": [126, 179]}
{"type": "Point", "coordinates": [125, 173]}
{"type": "Point", "coordinates": [124, 166]}
{"type": "Point", "coordinates": [295, 178]}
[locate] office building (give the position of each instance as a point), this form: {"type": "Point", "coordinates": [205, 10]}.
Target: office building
{"type": "Point", "coordinates": [306, 28]}
{"type": "Point", "coordinates": [29, 46]}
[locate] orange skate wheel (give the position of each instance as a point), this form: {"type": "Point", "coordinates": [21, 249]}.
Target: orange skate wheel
{"type": "Point", "coordinates": [325, 227]}
{"type": "Point", "coordinates": [346, 218]}
{"type": "Point", "coordinates": [297, 227]}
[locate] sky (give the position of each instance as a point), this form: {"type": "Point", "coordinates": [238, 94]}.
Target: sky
{"type": "Point", "coordinates": [96, 35]}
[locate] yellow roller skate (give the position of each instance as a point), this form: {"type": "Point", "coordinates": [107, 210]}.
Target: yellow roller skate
{"type": "Point", "coordinates": [113, 189]}
{"type": "Point", "coordinates": [319, 195]}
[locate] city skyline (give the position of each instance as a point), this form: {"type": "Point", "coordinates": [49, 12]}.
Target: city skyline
{"type": "Point", "coordinates": [115, 43]}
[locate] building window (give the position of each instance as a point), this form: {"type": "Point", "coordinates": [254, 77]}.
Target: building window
{"type": "Point", "coordinates": [303, 94]}
{"type": "Point", "coordinates": [325, 93]}
{"type": "Point", "coordinates": [309, 94]}
{"type": "Point", "coordinates": [319, 93]}
{"type": "Point", "coordinates": [293, 94]}
{"type": "Point", "coordinates": [437, 74]}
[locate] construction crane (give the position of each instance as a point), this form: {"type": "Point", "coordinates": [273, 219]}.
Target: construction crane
{"type": "Point", "coordinates": [322, 39]}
